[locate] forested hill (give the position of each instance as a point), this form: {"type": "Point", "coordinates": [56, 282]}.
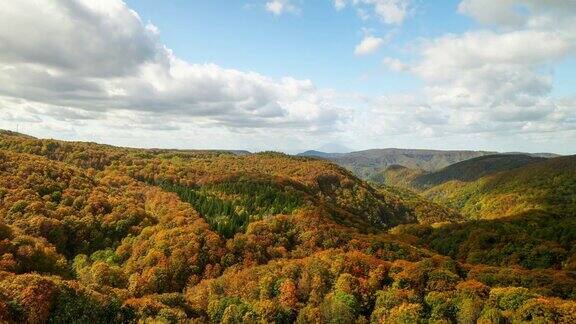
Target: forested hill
{"type": "Point", "coordinates": [220, 175]}
{"type": "Point", "coordinates": [494, 186]}
{"type": "Point", "coordinates": [474, 169]}
{"type": "Point", "coordinates": [548, 185]}
{"type": "Point", "coordinates": [93, 233]}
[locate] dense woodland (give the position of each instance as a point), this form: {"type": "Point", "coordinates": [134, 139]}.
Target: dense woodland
{"type": "Point", "coordinates": [98, 234]}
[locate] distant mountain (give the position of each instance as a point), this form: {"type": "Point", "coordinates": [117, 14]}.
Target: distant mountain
{"type": "Point", "coordinates": [474, 169]}
{"type": "Point", "coordinates": [324, 155]}
{"type": "Point", "coordinates": [240, 152]}
{"type": "Point", "coordinates": [367, 164]}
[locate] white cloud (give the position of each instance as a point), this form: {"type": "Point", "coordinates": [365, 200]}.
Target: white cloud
{"type": "Point", "coordinates": [505, 75]}
{"type": "Point", "coordinates": [339, 4]}
{"type": "Point", "coordinates": [369, 45]}
{"type": "Point", "coordinates": [98, 57]}
{"type": "Point", "coordinates": [391, 12]}
{"type": "Point", "coordinates": [518, 13]}
{"type": "Point", "coordinates": [395, 64]}
{"type": "Point", "coordinates": [494, 82]}
{"type": "Point", "coordinates": [83, 38]}
{"type": "Point", "coordinates": [489, 69]}
{"type": "Point", "coordinates": [496, 11]}
{"type": "Point", "coordinates": [279, 7]}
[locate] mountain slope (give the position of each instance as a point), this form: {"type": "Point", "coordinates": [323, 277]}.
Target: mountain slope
{"type": "Point", "coordinates": [474, 169]}
{"type": "Point", "coordinates": [421, 209]}
{"type": "Point", "coordinates": [316, 182]}
{"type": "Point", "coordinates": [532, 239]}
{"type": "Point", "coordinates": [549, 185]}
{"type": "Point", "coordinates": [397, 176]}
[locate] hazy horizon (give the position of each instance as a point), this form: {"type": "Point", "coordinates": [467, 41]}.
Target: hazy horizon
{"type": "Point", "coordinates": [293, 152]}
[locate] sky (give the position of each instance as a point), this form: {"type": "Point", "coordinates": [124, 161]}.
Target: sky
{"type": "Point", "coordinates": [292, 75]}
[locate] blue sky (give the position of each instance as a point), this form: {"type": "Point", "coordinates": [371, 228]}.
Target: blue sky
{"type": "Point", "coordinates": [317, 43]}
{"type": "Point", "coordinates": [292, 75]}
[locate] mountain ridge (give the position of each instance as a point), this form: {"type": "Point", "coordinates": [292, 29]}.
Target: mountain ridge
{"type": "Point", "coordinates": [366, 164]}
{"type": "Point", "coordinates": [475, 168]}
{"type": "Point", "coordinates": [548, 185]}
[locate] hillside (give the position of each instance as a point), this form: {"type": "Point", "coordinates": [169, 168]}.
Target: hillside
{"type": "Point", "coordinates": [397, 176]}
{"type": "Point", "coordinates": [93, 233]}
{"type": "Point", "coordinates": [473, 169]}
{"type": "Point", "coordinates": [548, 185]}
{"type": "Point", "coordinates": [366, 164]}
{"type": "Point", "coordinates": [422, 209]}
{"type": "Point", "coordinates": [218, 176]}
{"type": "Point", "coordinates": [525, 213]}
{"type": "Point", "coordinates": [532, 239]}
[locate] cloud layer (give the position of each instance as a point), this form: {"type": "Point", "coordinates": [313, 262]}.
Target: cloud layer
{"type": "Point", "coordinates": [94, 67]}
{"type": "Point", "coordinates": [78, 57]}
{"type": "Point", "coordinates": [499, 78]}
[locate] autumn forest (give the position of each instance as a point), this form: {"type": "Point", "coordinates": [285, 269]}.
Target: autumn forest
{"type": "Point", "coordinates": [99, 234]}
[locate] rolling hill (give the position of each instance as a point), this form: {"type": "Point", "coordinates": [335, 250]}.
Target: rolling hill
{"type": "Point", "coordinates": [548, 185]}
{"type": "Point", "coordinates": [473, 169]}
{"type": "Point", "coordinates": [219, 176]}
{"type": "Point", "coordinates": [494, 186]}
